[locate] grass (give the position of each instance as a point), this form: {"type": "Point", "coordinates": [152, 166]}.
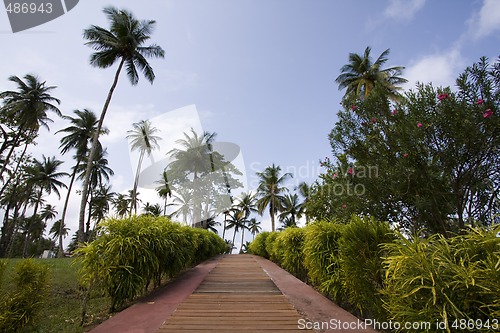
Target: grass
{"type": "Point", "coordinates": [62, 309]}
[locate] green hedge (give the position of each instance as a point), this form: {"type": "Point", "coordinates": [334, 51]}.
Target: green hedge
{"type": "Point", "coordinates": [375, 272]}
{"type": "Point", "coordinates": [130, 254]}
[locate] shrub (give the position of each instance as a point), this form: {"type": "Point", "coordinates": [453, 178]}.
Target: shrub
{"type": "Point", "coordinates": [131, 253]}
{"type": "Point", "coordinates": [3, 264]}
{"type": "Point", "coordinates": [361, 262]}
{"type": "Point", "coordinates": [445, 280]}
{"type": "Point", "coordinates": [321, 258]}
{"type": "Point", "coordinates": [20, 307]}
{"type": "Point", "coordinates": [289, 248]}
{"type": "Point", "coordinates": [258, 246]}
{"type": "Point", "coordinates": [271, 247]}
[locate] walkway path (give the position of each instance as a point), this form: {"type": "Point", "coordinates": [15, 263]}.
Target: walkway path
{"type": "Point", "coordinates": [234, 293]}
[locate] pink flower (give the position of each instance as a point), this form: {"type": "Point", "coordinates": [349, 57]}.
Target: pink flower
{"type": "Point", "coordinates": [405, 154]}
{"type": "Point", "coordinates": [344, 206]}
{"type": "Point", "coordinates": [394, 112]}
{"type": "Point", "coordinates": [350, 171]}
{"type": "Point", "coordinates": [419, 125]}
{"type": "Point", "coordinates": [479, 101]}
{"type": "Point", "coordinates": [354, 107]}
{"type": "Point", "coordinates": [442, 96]}
{"type": "Point", "coordinates": [488, 113]}
{"type": "Point", "coordinates": [374, 120]}
{"type": "Point", "coordinates": [334, 175]}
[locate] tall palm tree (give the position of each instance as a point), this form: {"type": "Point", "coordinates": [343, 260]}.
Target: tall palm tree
{"type": "Point", "coordinates": [123, 42]}
{"type": "Point", "coordinates": [152, 210]}
{"type": "Point", "coordinates": [270, 191]}
{"type": "Point", "coordinates": [56, 229]}
{"type": "Point", "coordinates": [291, 208]}
{"type": "Point", "coordinates": [361, 75]}
{"type": "Point", "coordinates": [121, 203]}
{"type": "Point", "coordinates": [247, 202]}
{"type": "Point", "coordinates": [236, 220]}
{"type": "Point", "coordinates": [142, 138]}
{"type": "Point", "coordinates": [27, 109]}
{"type": "Point", "coordinates": [305, 191]}
{"type": "Point", "coordinates": [100, 203]}
{"type": "Point", "coordinates": [79, 134]}
{"type": "Point", "coordinates": [184, 201]}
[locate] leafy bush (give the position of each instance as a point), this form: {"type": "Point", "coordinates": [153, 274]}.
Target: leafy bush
{"type": "Point", "coordinates": [289, 245]}
{"type": "Point", "coordinates": [321, 258]}
{"type": "Point", "coordinates": [3, 264]}
{"type": "Point", "coordinates": [258, 246]}
{"type": "Point", "coordinates": [20, 307]}
{"type": "Point", "coordinates": [446, 280]}
{"type": "Point", "coordinates": [131, 253]}
{"type": "Point", "coordinates": [271, 247]}
{"type": "Point", "coordinates": [361, 262]}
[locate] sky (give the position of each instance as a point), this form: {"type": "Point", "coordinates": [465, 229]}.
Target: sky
{"type": "Point", "coordinates": [259, 73]}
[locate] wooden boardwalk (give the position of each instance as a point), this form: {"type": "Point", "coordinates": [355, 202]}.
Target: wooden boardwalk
{"type": "Point", "coordinates": [236, 296]}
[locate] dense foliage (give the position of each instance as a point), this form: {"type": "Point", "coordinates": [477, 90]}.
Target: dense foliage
{"type": "Point", "coordinates": [378, 273]}
{"type": "Point", "coordinates": [429, 160]}
{"type": "Point", "coordinates": [132, 253]}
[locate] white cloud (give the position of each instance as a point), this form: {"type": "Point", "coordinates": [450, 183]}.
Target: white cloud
{"type": "Point", "coordinates": [487, 20]}
{"type": "Point", "coordinates": [403, 9]}
{"type": "Point", "coordinates": [441, 69]}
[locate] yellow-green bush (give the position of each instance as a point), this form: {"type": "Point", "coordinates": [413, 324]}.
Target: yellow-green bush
{"type": "Point", "coordinates": [19, 308]}
{"type": "Point", "coordinates": [452, 280]}
{"type": "Point", "coordinates": [258, 246]}
{"type": "Point", "coordinates": [361, 264]}
{"type": "Point", "coordinates": [289, 245]}
{"type": "Point", "coordinates": [131, 253]}
{"type": "Point", "coordinates": [321, 259]}
{"type": "Point", "coordinates": [271, 247]}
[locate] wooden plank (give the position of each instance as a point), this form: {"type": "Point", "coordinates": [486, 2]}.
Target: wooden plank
{"type": "Point", "coordinates": [236, 296]}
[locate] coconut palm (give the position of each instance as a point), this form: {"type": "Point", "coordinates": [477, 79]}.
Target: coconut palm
{"type": "Point", "coordinates": [142, 138]}
{"type": "Point", "coordinates": [183, 199]}
{"type": "Point", "coordinates": [361, 75]}
{"type": "Point", "coordinates": [27, 109]}
{"type": "Point", "coordinates": [164, 190]}
{"type": "Point", "coordinates": [254, 227]}
{"type": "Point", "coordinates": [235, 219]}
{"type": "Point", "coordinates": [291, 209]}
{"type": "Point", "coordinates": [270, 191]}
{"type": "Point", "coordinates": [305, 191]}
{"type": "Point", "coordinates": [79, 135]}
{"type": "Point", "coordinates": [56, 229]}
{"type": "Point", "coordinates": [44, 178]}
{"type": "Point", "coordinates": [123, 42]}
{"type": "Point", "coordinates": [121, 203]}
{"type": "Point", "coordinates": [100, 203]}
{"type": "Point", "coordinates": [152, 210]}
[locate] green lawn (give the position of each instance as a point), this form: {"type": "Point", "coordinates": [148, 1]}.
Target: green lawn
{"type": "Point", "coordinates": [63, 304]}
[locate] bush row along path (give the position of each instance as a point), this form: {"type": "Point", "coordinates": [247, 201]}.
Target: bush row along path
{"type": "Point", "coordinates": [230, 293]}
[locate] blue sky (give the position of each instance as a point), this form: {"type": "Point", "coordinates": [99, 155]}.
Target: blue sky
{"type": "Point", "coordinates": [260, 72]}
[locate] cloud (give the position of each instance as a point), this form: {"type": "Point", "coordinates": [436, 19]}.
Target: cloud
{"type": "Point", "coordinates": [486, 21]}
{"type": "Point", "coordinates": [403, 9]}
{"type": "Point", "coordinates": [441, 69]}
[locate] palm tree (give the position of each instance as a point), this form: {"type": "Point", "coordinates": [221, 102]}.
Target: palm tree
{"type": "Point", "coordinates": [247, 202]}
{"type": "Point", "coordinates": [100, 203]}
{"type": "Point", "coordinates": [184, 201]}
{"type": "Point", "coordinates": [236, 220]}
{"type": "Point", "coordinates": [134, 200]}
{"type": "Point", "coordinates": [56, 229]}
{"type": "Point", "coordinates": [361, 75]}
{"type": "Point", "coordinates": [152, 210]}
{"type": "Point", "coordinates": [44, 177]}
{"type": "Point", "coordinates": [254, 227]}
{"type": "Point", "coordinates": [305, 191]}
{"type": "Point", "coordinates": [270, 191]}
{"type": "Point", "coordinates": [142, 138]}
{"type": "Point", "coordinates": [27, 109]}
{"type": "Point", "coordinates": [80, 133]}
{"type": "Point", "coordinates": [291, 208]}
{"type": "Point", "coordinates": [121, 204]}
{"type": "Point", "coordinates": [164, 190]}
{"type": "Point", "coordinates": [124, 42]}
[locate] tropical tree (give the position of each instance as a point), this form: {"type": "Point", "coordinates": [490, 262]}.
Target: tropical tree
{"type": "Point", "coordinates": [26, 110]}
{"type": "Point", "coordinates": [121, 203]}
{"type": "Point", "coordinates": [43, 178]}
{"type": "Point", "coordinates": [142, 138]}
{"type": "Point", "coordinates": [291, 209]}
{"type": "Point", "coordinates": [152, 210]}
{"type": "Point", "coordinates": [254, 226]}
{"type": "Point", "coordinates": [123, 42]}
{"type": "Point", "coordinates": [100, 203]}
{"type": "Point", "coordinates": [305, 191]}
{"type": "Point", "coordinates": [183, 199]}
{"type": "Point", "coordinates": [361, 76]}
{"type": "Point", "coordinates": [79, 134]}
{"type": "Point", "coordinates": [236, 220]}
{"type": "Point", "coordinates": [56, 229]}
{"type": "Point", "coordinates": [164, 190]}
{"type": "Point", "coordinates": [270, 191]}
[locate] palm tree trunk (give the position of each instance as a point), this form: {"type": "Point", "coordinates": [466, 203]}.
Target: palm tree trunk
{"type": "Point", "coordinates": [224, 229]}
{"type": "Point", "coordinates": [234, 236]}
{"type": "Point", "coordinates": [28, 231]}
{"type": "Point", "coordinates": [93, 149]}
{"type": "Point", "coordinates": [60, 253]}
{"type": "Point", "coordinates": [242, 236]}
